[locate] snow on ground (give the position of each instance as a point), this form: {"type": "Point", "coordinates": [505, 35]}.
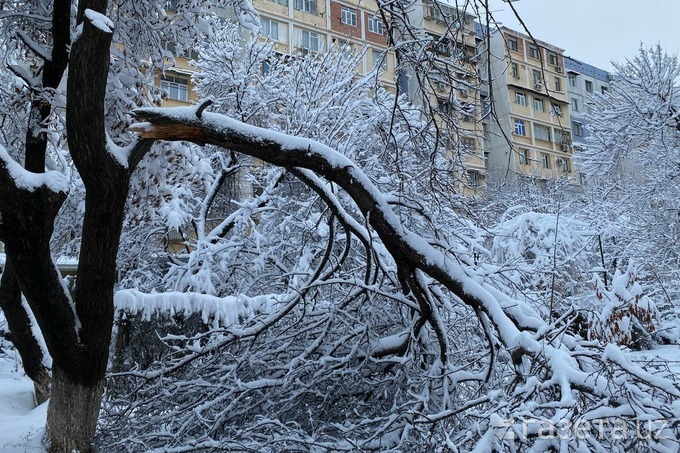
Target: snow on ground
{"type": "Point", "coordinates": [666, 357]}
{"type": "Point", "coordinates": [21, 423]}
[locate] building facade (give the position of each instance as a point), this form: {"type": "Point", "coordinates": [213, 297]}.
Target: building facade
{"type": "Point", "coordinates": [583, 82]}
{"type": "Point", "coordinates": [530, 133]}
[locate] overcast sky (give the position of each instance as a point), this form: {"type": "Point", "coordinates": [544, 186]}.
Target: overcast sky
{"type": "Point", "coordinates": [597, 31]}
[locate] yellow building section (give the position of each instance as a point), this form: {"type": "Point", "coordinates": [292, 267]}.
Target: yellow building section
{"type": "Point", "coordinates": [538, 100]}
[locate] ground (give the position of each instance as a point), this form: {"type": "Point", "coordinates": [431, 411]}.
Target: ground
{"type": "Point", "coordinates": [22, 424]}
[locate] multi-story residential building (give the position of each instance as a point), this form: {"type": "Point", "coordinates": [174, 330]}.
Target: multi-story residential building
{"type": "Point", "coordinates": [583, 82]}
{"type": "Point", "coordinates": [301, 27]}
{"type": "Point", "coordinates": [530, 133]}
{"type": "Point", "coordinates": [453, 88]}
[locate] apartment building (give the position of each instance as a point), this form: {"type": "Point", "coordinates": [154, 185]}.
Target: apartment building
{"type": "Point", "coordinates": [530, 134]}
{"type": "Point", "coordinates": [301, 27]}
{"type": "Point", "coordinates": [583, 82]}
{"type": "Point", "coordinates": [453, 88]}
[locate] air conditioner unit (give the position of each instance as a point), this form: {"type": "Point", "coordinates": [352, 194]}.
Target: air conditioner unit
{"type": "Point", "coordinates": [559, 69]}
{"type": "Point", "coordinates": [566, 146]}
{"type": "Point", "coordinates": [538, 86]}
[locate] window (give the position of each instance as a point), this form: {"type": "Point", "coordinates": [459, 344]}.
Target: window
{"type": "Point", "coordinates": [558, 84]}
{"type": "Point", "coordinates": [520, 127]}
{"type": "Point", "coordinates": [379, 60]}
{"type": "Point", "coordinates": [533, 52]}
{"type": "Point", "coordinates": [472, 178]}
{"type": "Point", "coordinates": [375, 25]}
{"type": "Point", "coordinates": [467, 112]}
{"type": "Point", "coordinates": [307, 6]}
{"type": "Point", "coordinates": [604, 90]}
{"type": "Point", "coordinates": [270, 28]}
{"type": "Point", "coordinates": [280, 2]}
{"type": "Point", "coordinates": [523, 156]}
{"type": "Point", "coordinates": [556, 109]}
{"type": "Point", "coordinates": [515, 70]}
{"type": "Point", "coordinates": [577, 128]}
{"type": "Point", "coordinates": [512, 43]}
{"type": "Point", "coordinates": [545, 160]}
{"type": "Point", "coordinates": [348, 16]}
{"type": "Point", "coordinates": [560, 137]}
{"type": "Point", "coordinates": [582, 179]}
{"type": "Point", "coordinates": [572, 80]}
{"type": "Point", "coordinates": [537, 76]}
{"type": "Point", "coordinates": [520, 98]}
{"type": "Point", "coordinates": [564, 165]}
{"type": "Point", "coordinates": [538, 105]}
{"type": "Point", "coordinates": [574, 104]}
{"type": "Point", "coordinates": [441, 45]}
{"type": "Point", "coordinates": [310, 41]}
{"type": "Point", "coordinates": [445, 107]}
{"type": "Point", "coordinates": [176, 87]}
{"type": "Point", "coordinates": [553, 58]}
{"type": "Point", "coordinates": [589, 86]}
{"type": "Point", "coordinates": [542, 132]}
{"type": "Point", "coordinates": [467, 144]}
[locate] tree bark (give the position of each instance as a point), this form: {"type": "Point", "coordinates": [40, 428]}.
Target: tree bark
{"type": "Point", "coordinates": [23, 338]}
{"type": "Point", "coordinates": [35, 147]}
{"type": "Point", "coordinates": [72, 413]}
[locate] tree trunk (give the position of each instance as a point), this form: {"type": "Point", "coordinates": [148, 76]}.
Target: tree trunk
{"type": "Point", "coordinates": [23, 338]}
{"type": "Point", "coordinates": [72, 413]}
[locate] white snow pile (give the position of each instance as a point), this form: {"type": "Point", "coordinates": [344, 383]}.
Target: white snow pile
{"type": "Point", "coordinates": [22, 425]}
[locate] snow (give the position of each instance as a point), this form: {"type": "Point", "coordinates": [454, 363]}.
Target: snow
{"type": "Point", "coordinates": [223, 311]}
{"type": "Point", "coordinates": [29, 181]}
{"type": "Point", "coordinates": [22, 424]}
{"type": "Point", "coordinates": [99, 20]}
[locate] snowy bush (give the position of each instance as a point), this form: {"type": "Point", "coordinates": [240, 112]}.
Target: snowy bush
{"type": "Point", "coordinates": [623, 313]}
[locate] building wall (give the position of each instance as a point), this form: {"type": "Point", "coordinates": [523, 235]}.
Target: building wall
{"type": "Point", "coordinates": [532, 136]}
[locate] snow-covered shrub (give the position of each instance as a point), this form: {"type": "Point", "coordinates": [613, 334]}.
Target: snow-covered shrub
{"type": "Point", "coordinates": [546, 257]}
{"type": "Point", "coordinates": [623, 314]}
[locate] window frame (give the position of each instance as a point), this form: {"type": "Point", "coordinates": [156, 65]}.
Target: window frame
{"type": "Point", "coordinates": [542, 133]}
{"type": "Point", "coordinates": [589, 86]}
{"type": "Point", "coordinates": [348, 16]}
{"type": "Point", "coordinates": [534, 52]}
{"type": "Point", "coordinates": [520, 127]}
{"type": "Point", "coordinates": [306, 6]}
{"type": "Point", "coordinates": [269, 22]}
{"type": "Point", "coordinates": [545, 161]}
{"type": "Point", "coordinates": [577, 128]}
{"type": "Point", "coordinates": [514, 68]}
{"type": "Point", "coordinates": [558, 84]}
{"type": "Point", "coordinates": [524, 158]}
{"type": "Point", "coordinates": [311, 36]}
{"type": "Point", "coordinates": [513, 44]}
{"type": "Point", "coordinates": [520, 98]}
{"type": "Point", "coordinates": [538, 101]}
{"type": "Point", "coordinates": [179, 84]}
{"type": "Point", "coordinates": [376, 23]}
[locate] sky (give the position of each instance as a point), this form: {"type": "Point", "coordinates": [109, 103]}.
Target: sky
{"type": "Point", "coordinates": [596, 31]}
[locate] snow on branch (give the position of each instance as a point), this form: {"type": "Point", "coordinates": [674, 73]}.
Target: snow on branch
{"type": "Point", "coordinates": [220, 311]}
{"type": "Point", "coordinates": [410, 251]}
{"type": "Point", "coordinates": [28, 181]}
{"type": "Point", "coordinates": [99, 21]}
